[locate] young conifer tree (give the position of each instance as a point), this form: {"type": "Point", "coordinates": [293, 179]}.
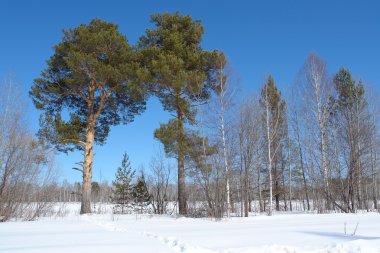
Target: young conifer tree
{"type": "Point", "coordinates": [274, 118]}
{"type": "Point", "coordinates": [140, 194]}
{"type": "Point", "coordinates": [123, 187]}
{"type": "Point", "coordinates": [352, 115]}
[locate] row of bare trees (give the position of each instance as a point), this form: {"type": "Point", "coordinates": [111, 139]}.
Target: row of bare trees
{"type": "Point", "coordinates": [26, 166]}
{"type": "Point", "coordinates": [313, 149]}
{"type": "Point", "coordinates": [339, 129]}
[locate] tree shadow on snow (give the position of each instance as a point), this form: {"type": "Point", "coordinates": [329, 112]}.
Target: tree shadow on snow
{"type": "Point", "coordinates": [340, 235]}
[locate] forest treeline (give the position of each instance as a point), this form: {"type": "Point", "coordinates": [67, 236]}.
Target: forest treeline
{"type": "Point", "coordinates": [313, 149]}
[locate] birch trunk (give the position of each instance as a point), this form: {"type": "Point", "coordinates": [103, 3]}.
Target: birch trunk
{"type": "Point", "coordinates": [269, 142]}
{"type": "Point", "coordinates": [222, 126]}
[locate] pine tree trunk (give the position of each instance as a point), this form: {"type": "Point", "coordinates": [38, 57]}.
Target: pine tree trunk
{"type": "Point", "coordinates": [181, 168]}
{"type": "Point", "coordinates": [88, 154]}
{"type": "Point", "coordinates": [181, 186]}
{"type": "Point", "coordinates": [87, 170]}
{"type": "Point", "coordinates": [277, 193]}
{"type": "Point", "coordinates": [283, 183]}
{"type": "Point", "coordinates": [261, 205]}
{"type": "Point", "coordinates": [358, 166]}
{"type": "Point", "coordinates": [276, 183]}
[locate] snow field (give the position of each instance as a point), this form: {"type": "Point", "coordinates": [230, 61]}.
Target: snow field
{"type": "Point", "coordinates": [281, 233]}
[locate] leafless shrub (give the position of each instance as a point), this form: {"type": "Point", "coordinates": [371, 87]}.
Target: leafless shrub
{"type": "Point", "coordinates": [158, 183]}
{"type": "Point", "coordinates": [26, 165]}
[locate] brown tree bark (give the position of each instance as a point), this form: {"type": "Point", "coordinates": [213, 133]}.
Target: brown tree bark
{"type": "Point", "coordinates": [88, 154]}
{"type": "Point", "coordinates": [181, 168]}
{"type": "Point", "coordinates": [92, 117]}
{"type": "Point", "coordinates": [87, 171]}
{"type": "Point", "coordinates": [276, 182]}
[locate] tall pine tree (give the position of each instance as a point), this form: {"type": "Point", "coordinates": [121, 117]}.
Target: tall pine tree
{"type": "Point", "coordinates": [351, 116]}
{"type": "Point", "coordinates": [92, 76]}
{"type": "Point", "coordinates": [180, 73]}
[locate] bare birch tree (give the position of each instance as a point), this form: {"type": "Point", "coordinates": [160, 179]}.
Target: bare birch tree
{"type": "Point", "coordinates": [316, 89]}
{"type": "Point", "coordinates": [249, 146]}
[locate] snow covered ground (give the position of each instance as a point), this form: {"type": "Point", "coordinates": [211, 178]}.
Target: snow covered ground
{"type": "Point", "coordinates": [281, 233]}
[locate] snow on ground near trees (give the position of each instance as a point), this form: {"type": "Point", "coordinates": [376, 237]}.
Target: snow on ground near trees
{"type": "Point", "coordinates": [290, 233]}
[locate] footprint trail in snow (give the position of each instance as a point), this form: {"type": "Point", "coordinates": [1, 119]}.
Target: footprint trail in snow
{"type": "Point", "coordinates": [172, 242]}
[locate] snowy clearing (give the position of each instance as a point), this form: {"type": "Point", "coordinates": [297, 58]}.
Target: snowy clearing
{"type": "Point", "coordinates": [281, 233]}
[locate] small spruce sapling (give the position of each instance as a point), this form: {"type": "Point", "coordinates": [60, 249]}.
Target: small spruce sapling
{"type": "Point", "coordinates": [123, 187]}
{"type": "Point", "coordinates": [140, 194]}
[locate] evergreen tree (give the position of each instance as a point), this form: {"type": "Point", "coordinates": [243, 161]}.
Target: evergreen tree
{"type": "Point", "coordinates": [95, 191]}
{"type": "Point", "coordinates": [351, 116]}
{"type": "Point", "coordinates": [140, 194]}
{"type": "Point", "coordinates": [274, 115]}
{"type": "Point", "coordinates": [123, 187]}
{"type": "Point", "coordinates": [180, 73]}
{"type": "Point", "coordinates": [91, 75]}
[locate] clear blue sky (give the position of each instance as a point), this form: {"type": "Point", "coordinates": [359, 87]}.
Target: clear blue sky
{"type": "Point", "coordinates": [259, 37]}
